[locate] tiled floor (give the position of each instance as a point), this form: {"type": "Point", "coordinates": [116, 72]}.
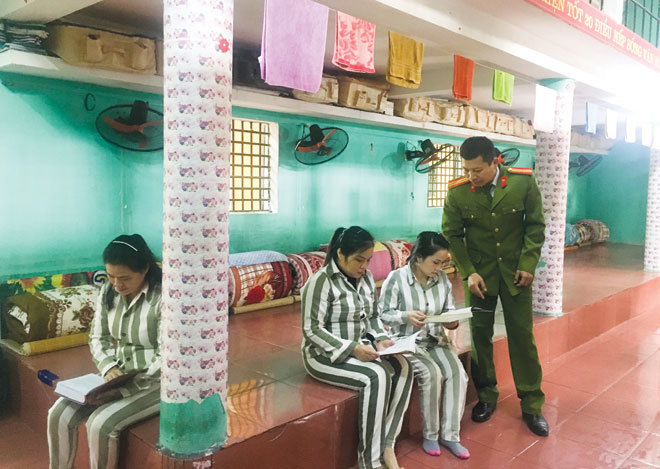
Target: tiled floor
{"type": "Point", "coordinates": [602, 402]}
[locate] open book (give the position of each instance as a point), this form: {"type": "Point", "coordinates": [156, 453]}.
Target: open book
{"type": "Point", "coordinates": [405, 345]}
{"type": "Point", "coordinates": [84, 389]}
{"type": "Point", "coordinates": [450, 316]}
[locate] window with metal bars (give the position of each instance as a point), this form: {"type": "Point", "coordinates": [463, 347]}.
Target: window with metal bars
{"type": "Point", "coordinates": [641, 17]}
{"type": "Point", "coordinates": [254, 154]}
{"type": "Point", "coordinates": [440, 176]}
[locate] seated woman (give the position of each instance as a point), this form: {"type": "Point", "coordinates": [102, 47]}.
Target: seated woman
{"type": "Point", "coordinates": [124, 337]}
{"type": "Point", "coordinates": [408, 295]}
{"type": "Point", "coordinates": [342, 332]}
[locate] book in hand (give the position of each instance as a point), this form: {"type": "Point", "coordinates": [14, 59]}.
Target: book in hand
{"type": "Point", "coordinates": [450, 316]}
{"type": "Point", "coordinates": [84, 389]}
{"type": "Point", "coordinates": [405, 345]}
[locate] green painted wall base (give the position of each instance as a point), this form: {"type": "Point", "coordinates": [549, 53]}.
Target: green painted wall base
{"type": "Point", "coordinates": [192, 429]}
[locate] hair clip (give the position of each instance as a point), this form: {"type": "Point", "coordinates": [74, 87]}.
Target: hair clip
{"type": "Point", "coordinates": [124, 242]}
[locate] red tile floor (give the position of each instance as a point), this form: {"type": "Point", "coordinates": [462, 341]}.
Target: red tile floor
{"type": "Point", "coordinates": [603, 397]}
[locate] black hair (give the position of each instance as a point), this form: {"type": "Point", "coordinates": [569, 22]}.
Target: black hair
{"type": "Point", "coordinates": [132, 251]}
{"type": "Point", "coordinates": [349, 240]}
{"type": "Point", "coordinates": [474, 147]}
{"type": "Point", "coordinates": [427, 244]}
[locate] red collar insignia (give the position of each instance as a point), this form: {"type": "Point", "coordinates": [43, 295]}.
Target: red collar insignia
{"type": "Point", "coordinates": [503, 181]}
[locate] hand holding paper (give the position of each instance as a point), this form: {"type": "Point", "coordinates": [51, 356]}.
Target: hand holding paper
{"type": "Point", "coordinates": [450, 316]}
{"type": "Point", "coordinates": [406, 345]}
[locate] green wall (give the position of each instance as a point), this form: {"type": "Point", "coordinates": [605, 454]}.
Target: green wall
{"type": "Point", "coordinates": [63, 187]}
{"type": "Point", "coordinates": [66, 192]}
{"type": "Point", "coordinates": [614, 192]}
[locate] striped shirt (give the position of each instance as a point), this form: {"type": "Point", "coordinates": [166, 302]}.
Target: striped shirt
{"type": "Point", "coordinates": [337, 316]}
{"type": "Point", "coordinates": [402, 292]}
{"type": "Point", "coordinates": [127, 335]}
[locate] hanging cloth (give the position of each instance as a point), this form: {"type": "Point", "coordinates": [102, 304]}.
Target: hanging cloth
{"type": "Point", "coordinates": [611, 123]}
{"type": "Point", "coordinates": [544, 109]}
{"type": "Point", "coordinates": [503, 87]}
{"type": "Point", "coordinates": [463, 75]}
{"type": "Point", "coordinates": [404, 66]}
{"type": "Point", "coordinates": [631, 130]}
{"type": "Point", "coordinates": [293, 43]}
{"type": "Point", "coordinates": [354, 44]}
{"type": "Point", "coordinates": [647, 134]}
{"type": "Point", "coordinates": [592, 118]}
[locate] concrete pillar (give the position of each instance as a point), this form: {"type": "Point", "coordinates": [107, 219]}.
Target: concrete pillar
{"type": "Point", "coordinates": [652, 241]}
{"type": "Point", "coordinates": [197, 100]}
{"type": "Point", "coordinates": [551, 170]}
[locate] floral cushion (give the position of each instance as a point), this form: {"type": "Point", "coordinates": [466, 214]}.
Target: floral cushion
{"type": "Point", "coordinates": [399, 251]}
{"type": "Point", "coordinates": [381, 262]}
{"type": "Point", "coordinates": [303, 265]}
{"type": "Point", "coordinates": [250, 284]}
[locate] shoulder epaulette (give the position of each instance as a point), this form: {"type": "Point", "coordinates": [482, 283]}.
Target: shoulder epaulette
{"type": "Point", "coordinates": [457, 182]}
{"type": "Point", "coordinates": [527, 171]}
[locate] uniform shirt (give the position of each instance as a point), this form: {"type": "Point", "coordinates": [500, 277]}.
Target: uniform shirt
{"type": "Point", "coordinates": [495, 236]}
{"type": "Point", "coordinates": [337, 316]}
{"type": "Point", "coordinates": [127, 335]}
{"type": "Point", "coordinates": [402, 292]}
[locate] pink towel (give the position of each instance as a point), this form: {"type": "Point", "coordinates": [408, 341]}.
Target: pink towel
{"type": "Point", "coordinates": [544, 109]}
{"type": "Point", "coordinates": [354, 44]}
{"type": "Point", "coordinates": [293, 43]}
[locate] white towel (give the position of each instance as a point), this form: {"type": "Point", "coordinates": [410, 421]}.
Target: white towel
{"type": "Point", "coordinates": [631, 130]}
{"type": "Point", "coordinates": [544, 109]}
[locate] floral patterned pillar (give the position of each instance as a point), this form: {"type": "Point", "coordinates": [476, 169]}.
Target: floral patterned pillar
{"type": "Point", "coordinates": [551, 170]}
{"type": "Point", "coordinates": [652, 242]}
{"type": "Point", "coordinates": [197, 102]}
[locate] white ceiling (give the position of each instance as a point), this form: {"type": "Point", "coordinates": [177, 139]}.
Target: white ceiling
{"type": "Point", "coordinates": [510, 35]}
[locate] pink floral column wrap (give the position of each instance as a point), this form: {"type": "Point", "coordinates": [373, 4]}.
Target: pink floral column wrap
{"type": "Point", "coordinates": [652, 242]}
{"type": "Point", "coordinates": [197, 100]}
{"type": "Point", "coordinates": [551, 171]}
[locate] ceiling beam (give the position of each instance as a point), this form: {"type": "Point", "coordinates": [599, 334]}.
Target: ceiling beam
{"type": "Point", "coordinates": [41, 11]}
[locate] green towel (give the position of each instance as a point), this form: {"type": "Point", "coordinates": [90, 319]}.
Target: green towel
{"type": "Point", "coordinates": [503, 86]}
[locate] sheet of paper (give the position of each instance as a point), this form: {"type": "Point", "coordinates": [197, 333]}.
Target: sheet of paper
{"type": "Point", "coordinates": [405, 345]}
{"type": "Point", "coordinates": [451, 316]}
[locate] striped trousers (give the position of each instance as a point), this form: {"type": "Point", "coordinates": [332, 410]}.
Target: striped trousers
{"type": "Point", "coordinates": [383, 387]}
{"type": "Point", "coordinates": [440, 374]}
{"type": "Point", "coordinates": [104, 424]}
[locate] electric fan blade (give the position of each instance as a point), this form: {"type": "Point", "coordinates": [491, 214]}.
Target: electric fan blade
{"type": "Point", "coordinates": [125, 128]}
{"type": "Point", "coordinates": [311, 150]}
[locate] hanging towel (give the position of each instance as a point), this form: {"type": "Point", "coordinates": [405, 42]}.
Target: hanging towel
{"type": "Point", "coordinates": [631, 130]}
{"type": "Point", "coordinates": [404, 66]}
{"type": "Point", "coordinates": [592, 118]}
{"type": "Point", "coordinates": [647, 134]}
{"type": "Point", "coordinates": [354, 44]}
{"type": "Point", "coordinates": [503, 86]}
{"type": "Point", "coordinates": [544, 109]}
{"type": "Point", "coordinates": [610, 125]}
{"type": "Point", "coordinates": [293, 43]}
{"type": "Point", "coordinates": [463, 74]}
{"type": "Point", "coordinates": [656, 138]}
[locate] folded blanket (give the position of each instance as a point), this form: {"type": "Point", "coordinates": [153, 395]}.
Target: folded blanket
{"type": "Point", "coordinates": [293, 43]}
{"type": "Point", "coordinates": [503, 86]}
{"type": "Point", "coordinates": [405, 61]}
{"type": "Point", "coordinates": [354, 44]}
{"type": "Point", "coordinates": [463, 74]}
{"type": "Point", "coordinates": [255, 257]}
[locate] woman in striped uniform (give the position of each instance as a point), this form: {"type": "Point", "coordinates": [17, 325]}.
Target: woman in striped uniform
{"type": "Point", "coordinates": [342, 332]}
{"type": "Point", "coordinates": [124, 337]}
{"type": "Point", "coordinates": [408, 295]}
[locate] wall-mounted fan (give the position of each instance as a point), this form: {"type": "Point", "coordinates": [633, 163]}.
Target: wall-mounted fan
{"type": "Point", "coordinates": [135, 127]}
{"type": "Point", "coordinates": [430, 156]}
{"type": "Point", "coordinates": [319, 145]}
{"type": "Point", "coordinates": [585, 163]}
{"type": "Point", "coordinates": [509, 156]}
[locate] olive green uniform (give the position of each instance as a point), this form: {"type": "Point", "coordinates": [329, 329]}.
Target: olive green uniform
{"type": "Point", "coordinates": [494, 236]}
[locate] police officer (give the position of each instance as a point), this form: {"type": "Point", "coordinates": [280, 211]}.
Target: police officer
{"type": "Point", "coordinates": [493, 220]}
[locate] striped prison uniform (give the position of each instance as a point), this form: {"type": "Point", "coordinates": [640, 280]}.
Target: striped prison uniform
{"type": "Point", "coordinates": [438, 371]}
{"type": "Point", "coordinates": [336, 318]}
{"type": "Point", "coordinates": [134, 328]}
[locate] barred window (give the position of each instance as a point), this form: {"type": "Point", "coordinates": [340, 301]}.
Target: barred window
{"type": "Point", "coordinates": [254, 152]}
{"type": "Point", "coordinates": [442, 174]}
{"type": "Point", "coordinates": [642, 17]}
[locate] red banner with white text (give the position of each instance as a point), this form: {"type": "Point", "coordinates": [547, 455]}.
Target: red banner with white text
{"type": "Point", "coordinates": [594, 22]}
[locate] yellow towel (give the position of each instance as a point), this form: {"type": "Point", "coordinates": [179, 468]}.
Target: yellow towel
{"type": "Point", "coordinates": [405, 61]}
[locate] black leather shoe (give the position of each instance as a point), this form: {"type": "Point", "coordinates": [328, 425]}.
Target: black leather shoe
{"type": "Point", "coordinates": [482, 411]}
{"type": "Point", "coordinates": [537, 424]}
